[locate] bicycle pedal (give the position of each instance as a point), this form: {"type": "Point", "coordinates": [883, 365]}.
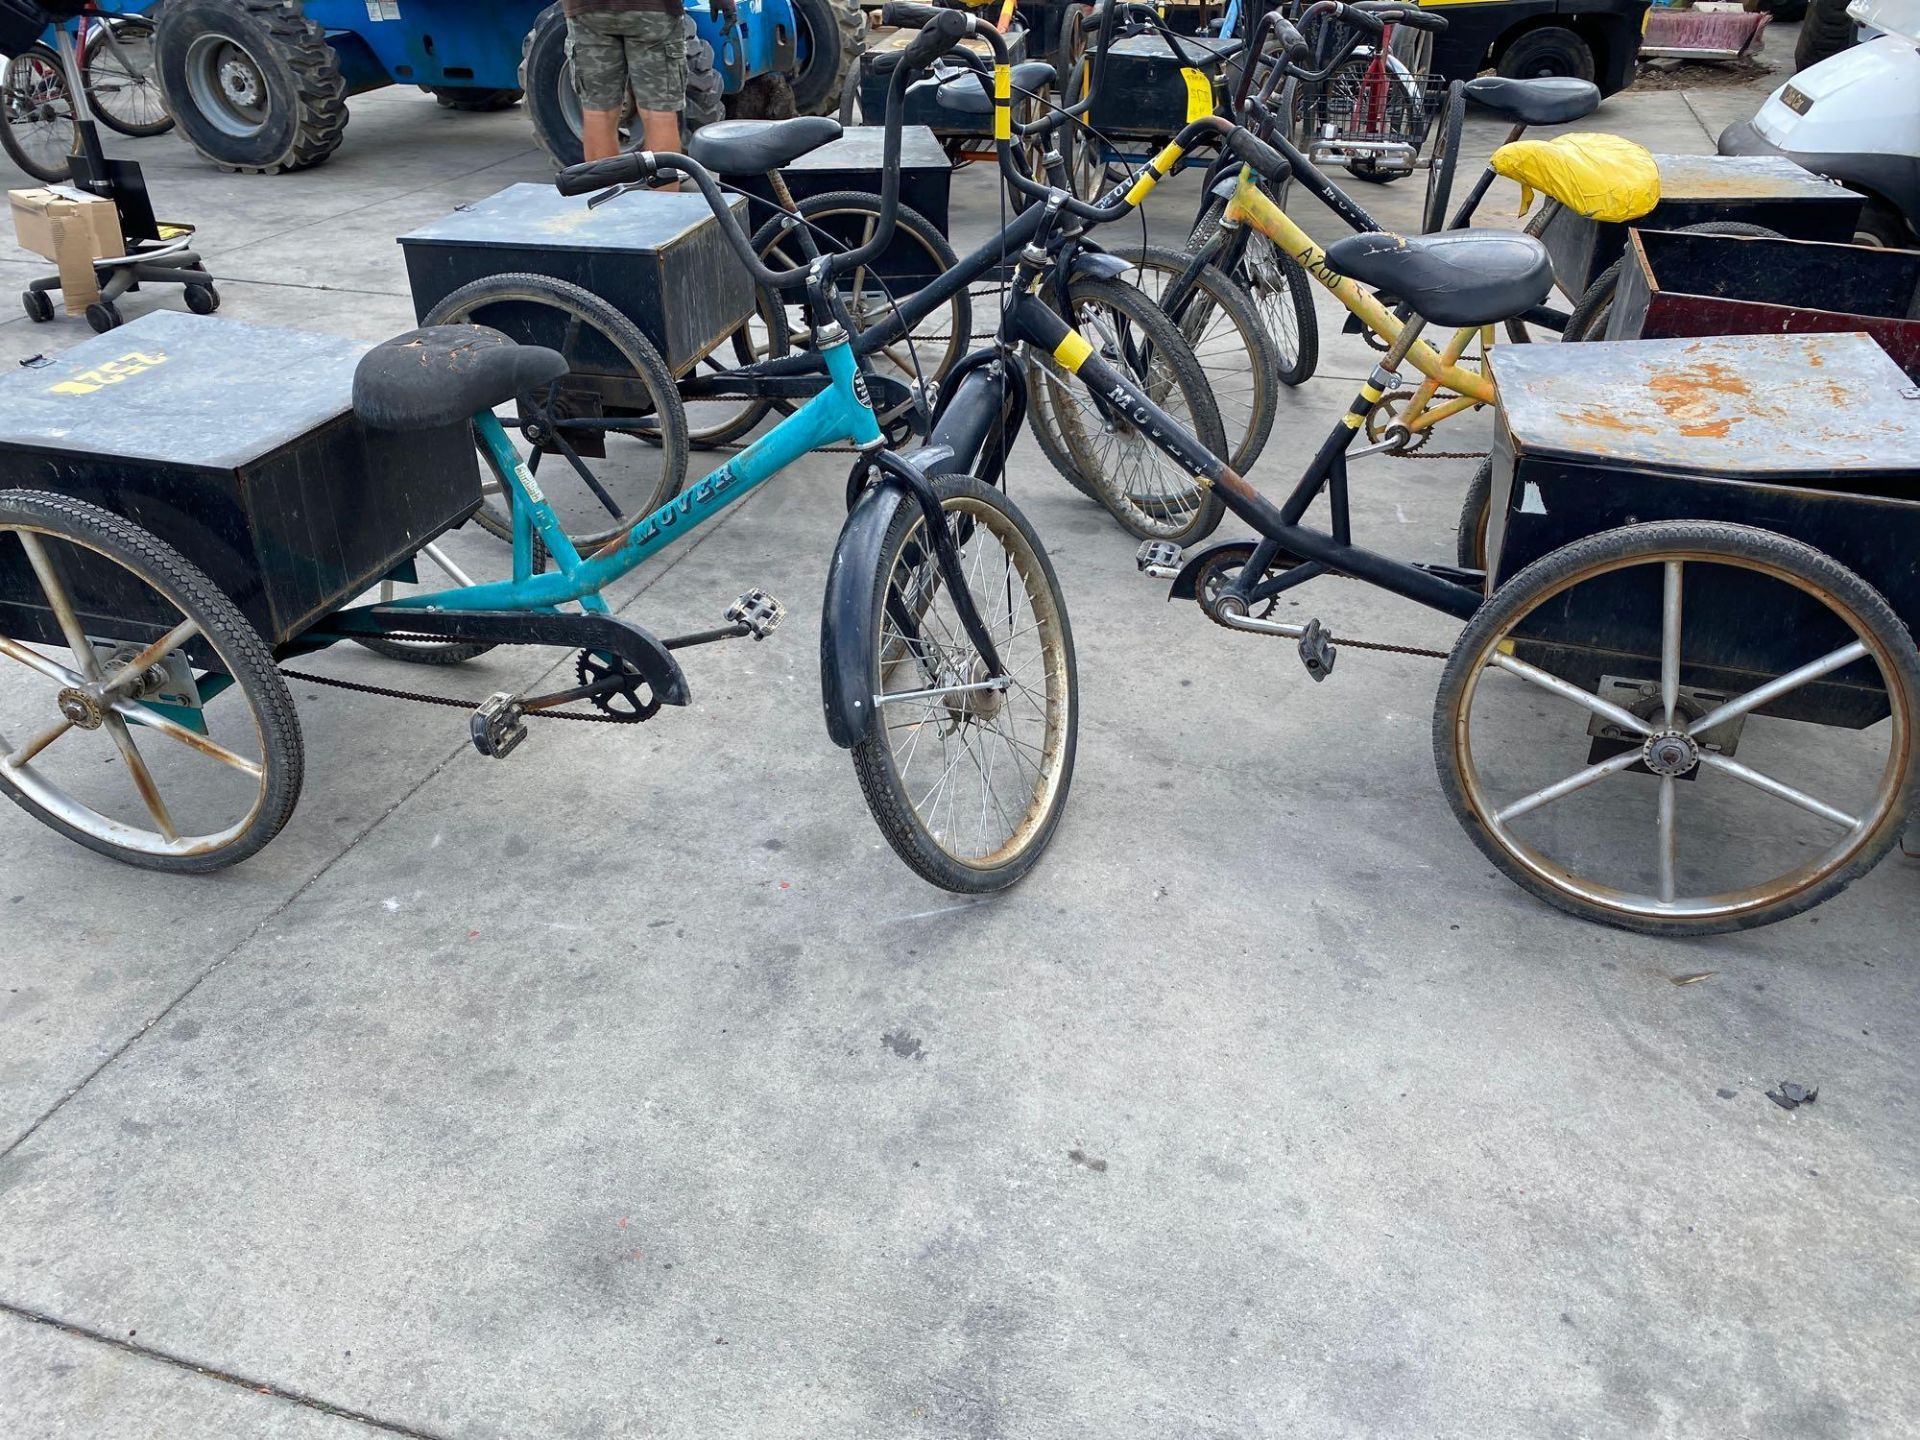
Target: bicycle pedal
{"type": "Point", "coordinates": [1316, 651]}
{"type": "Point", "coordinates": [1159, 558]}
{"type": "Point", "coordinates": [758, 611]}
{"type": "Point", "coordinates": [498, 725]}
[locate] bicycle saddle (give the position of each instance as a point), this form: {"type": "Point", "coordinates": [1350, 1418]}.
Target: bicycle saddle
{"type": "Point", "coordinates": [1545, 100]}
{"type": "Point", "coordinates": [1452, 277]}
{"type": "Point", "coordinates": [964, 94]}
{"type": "Point", "coordinates": [427, 378]}
{"type": "Point", "coordinates": [753, 147]}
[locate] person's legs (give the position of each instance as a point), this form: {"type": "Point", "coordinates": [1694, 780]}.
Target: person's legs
{"type": "Point", "coordinates": [657, 73]}
{"type": "Point", "coordinates": [600, 79]}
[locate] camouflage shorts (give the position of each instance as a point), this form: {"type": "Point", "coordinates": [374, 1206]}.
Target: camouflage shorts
{"type": "Point", "coordinates": [637, 50]}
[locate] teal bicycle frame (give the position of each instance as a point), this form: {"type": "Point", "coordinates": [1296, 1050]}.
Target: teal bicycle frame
{"type": "Point", "coordinates": [837, 415]}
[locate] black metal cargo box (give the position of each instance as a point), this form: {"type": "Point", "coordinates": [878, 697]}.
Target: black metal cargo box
{"type": "Point", "coordinates": [1766, 190]}
{"type": "Point", "coordinates": [656, 256]}
{"type": "Point", "coordinates": [853, 163]}
{"type": "Point", "coordinates": [1146, 93]}
{"type": "Point", "coordinates": [1809, 436]}
{"type": "Point", "coordinates": [237, 445]}
{"type": "Point", "coordinates": [1679, 285]}
{"type": "Point", "coordinates": [920, 104]}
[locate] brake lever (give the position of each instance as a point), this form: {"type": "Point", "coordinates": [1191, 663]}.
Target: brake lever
{"type": "Point", "coordinates": [596, 201]}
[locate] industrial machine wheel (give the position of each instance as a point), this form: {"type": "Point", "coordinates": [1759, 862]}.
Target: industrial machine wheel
{"type": "Point", "coordinates": [218, 762]}
{"type": "Point", "coordinates": [253, 84]}
{"type": "Point", "coordinates": [1608, 738]}
{"type": "Point", "coordinates": [832, 35]}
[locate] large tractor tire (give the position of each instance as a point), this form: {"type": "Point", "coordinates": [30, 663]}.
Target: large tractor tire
{"type": "Point", "coordinates": [1826, 31]}
{"type": "Point", "coordinates": [546, 75]}
{"type": "Point", "coordinates": [832, 35]}
{"type": "Point", "coordinates": [252, 84]}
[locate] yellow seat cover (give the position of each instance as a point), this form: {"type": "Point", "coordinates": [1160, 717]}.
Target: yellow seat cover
{"type": "Point", "coordinates": [1603, 177]}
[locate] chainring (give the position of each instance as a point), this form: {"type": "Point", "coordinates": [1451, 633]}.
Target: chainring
{"type": "Point", "coordinates": [630, 698]}
{"type": "Point", "coordinates": [1385, 412]}
{"type": "Point", "coordinates": [1221, 567]}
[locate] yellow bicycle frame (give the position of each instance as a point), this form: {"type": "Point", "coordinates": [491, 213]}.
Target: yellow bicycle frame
{"type": "Point", "coordinates": [1442, 368]}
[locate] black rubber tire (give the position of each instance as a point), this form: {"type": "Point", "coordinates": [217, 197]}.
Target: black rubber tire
{"type": "Point", "coordinates": [38, 304]}
{"type": "Point", "coordinates": [835, 34]}
{"type": "Point", "coordinates": [10, 142]}
{"type": "Point", "coordinates": [305, 94]}
{"type": "Point", "coordinates": [706, 91]}
{"type": "Point", "coordinates": [1470, 534]}
{"type": "Point", "coordinates": [1546, 50]}
{"type": "Point", "coordinates": [202, 299]}
{"type": "Point", "coordinates": [475, 100]}
{"type": "Point", "coordinates": [1786, 12]}
{"type": "Point", "coordinates": [1900, 664]}
{"type": "Point", "coordinates": [1144, 518]}
{"type": "Point", "coordinates": [1882, 225]}
{"type": "Point", "coordinates": [1445, 155]}
{"type": "Point", "coordinates": [1281, 290]}
{"type": "Point", "coordinates": [462, 305]}
{"type": "Point", "coordinates": [1249, 424]}
{"type": "Point", "coordinates": [1589, 318]}
{"type": "Point", "coordinates": [127, 29]}
{"type": "Point", "coordinates": [887, 797]}
{"type": "Point", "coordinates": [239, 646]}
{"type": "Point", "coordinates": [910, 223]}
{"type": "Point", "coordinates": [104, 315]}
{"type": "Point", "coordinates": [1826, 31]}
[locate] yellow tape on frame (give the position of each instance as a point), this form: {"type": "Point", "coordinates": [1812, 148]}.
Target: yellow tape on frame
{"type": "Point", "coordinates": [1002, 102]}
{"type": "Point", "coordinates": [1073, 351]}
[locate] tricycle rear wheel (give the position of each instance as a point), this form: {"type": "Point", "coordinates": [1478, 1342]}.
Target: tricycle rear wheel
{"type": "Point", "coordinates": [1530, 666]}
{"type": "Point", "coordinates": [187, 797]}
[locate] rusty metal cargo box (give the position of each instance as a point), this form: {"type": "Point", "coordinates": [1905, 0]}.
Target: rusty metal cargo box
{"type": "Point", "coordinates": [1816, 437]}
{"type": "Point", "coordinates": [1765, 190]}
{"type": "Point", "coordinates": [1144, 91]}
{"type": "Point", "coordinates": [853, 163]}
{"type": "Point", "coordinates": [1682, 285]}
{"type": "Point", "coordinates": [657, 257]}
{"type": "Point", "coordinates": [237, 445]}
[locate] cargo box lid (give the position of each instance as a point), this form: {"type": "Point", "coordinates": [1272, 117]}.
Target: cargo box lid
{"type": "Point", "coordinates": [186, 389]}
{"type": "Point", "coordinates": [1207, 50]}
{"type": "Point", "coordinates": [860, 147]}
{"type": "Point", "coordinates": [538, 215]}
{"type": "Point", "coordinates": [1743, 177]}
{"type": "Point", "coordinates": [1759, 406]}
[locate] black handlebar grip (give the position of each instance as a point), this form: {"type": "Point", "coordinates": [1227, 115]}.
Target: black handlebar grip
{"type": "Point", "coordinates": [1261, 156]}
{"type": "Point", "coordinates": [943, 30]}
{"type": "Point", "coordinates": [907, 16]}
{"type": "Point", "coordinates": [1291, 40]}
{"type": "Point", "coordinates": [1411, 16]}
{"type": "Point", "coordinates": [628, 168]}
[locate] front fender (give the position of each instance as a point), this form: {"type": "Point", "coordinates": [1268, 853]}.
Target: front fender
{"type": "Point", "coordinates": [1097, 265]}
{"type": "Point", "coordinates": [846, 617]}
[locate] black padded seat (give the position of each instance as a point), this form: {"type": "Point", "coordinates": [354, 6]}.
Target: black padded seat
{"type": "Point", "coordinates": [1454, 277]}
{"type": "Point", "coordinates": [1545, 100]}
{"type": "Point", "coordinates": [965, 94]}
{"type": "Point", "coordinates": [427, 378]}
{"type": "Point", "coordinates": [753, 147]}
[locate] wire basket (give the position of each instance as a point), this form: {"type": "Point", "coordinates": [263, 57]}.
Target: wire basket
{"type": "Point", "coordinates": [1375, 115]}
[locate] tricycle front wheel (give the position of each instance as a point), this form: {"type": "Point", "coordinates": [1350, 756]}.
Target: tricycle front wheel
{"type": "Point", "coordinates": [1589, 717]}
{"type": "Point", "coordinates": [217, 763]}
{"type": "Point", "coordinates": [967, 777]}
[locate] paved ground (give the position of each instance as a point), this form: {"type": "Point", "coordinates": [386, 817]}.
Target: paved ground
{"type": "Point", "coordinates": [633, 1088]}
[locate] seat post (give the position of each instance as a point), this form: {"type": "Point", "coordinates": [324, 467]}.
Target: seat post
{"type": "Point", "coordinates": [782, 196]}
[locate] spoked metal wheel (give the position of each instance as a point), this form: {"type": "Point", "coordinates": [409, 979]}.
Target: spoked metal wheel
{"type": "Point", "coordinates": [1149, 493]}
{"type": "Point", "coordinates": [967, 775]}
{"type": "Point", "coordinates": [140, 714]}
{"type": "Point", "coordinates": [123, 83]}
{"type": "Point", "coordinates": [845, 220]}
{"type": "Point", "coordinates": [36, 115]}
{"type": "Point", "coordinates": [1281, 291]}
{"type": "Point", "coordinates": [1681, 728]}
{"type": "Point", "coordinates": [1229, 341]}
{"type": "Point", "coordinates": [608, 440]}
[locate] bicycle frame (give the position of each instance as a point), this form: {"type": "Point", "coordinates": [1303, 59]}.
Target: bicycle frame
{"type": "Point", "coordinates": [837, 414]}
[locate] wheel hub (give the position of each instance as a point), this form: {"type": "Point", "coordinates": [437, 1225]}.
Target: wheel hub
{"type": "Point", "coordinates": [979, 706]}
{"type": "Point", "coordinates": [83, 710]}
{"type": "Point", "coordinates": [1670, 753]}
{"type": "Point", "coordinates": [241, 82]}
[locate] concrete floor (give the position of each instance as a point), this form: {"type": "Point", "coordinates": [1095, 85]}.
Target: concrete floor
{"type": "Point", "coordinates": [634, 1088]}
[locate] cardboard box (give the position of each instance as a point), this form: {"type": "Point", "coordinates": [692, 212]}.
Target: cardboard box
{"type": "Point", "coordinates": [71, 228]}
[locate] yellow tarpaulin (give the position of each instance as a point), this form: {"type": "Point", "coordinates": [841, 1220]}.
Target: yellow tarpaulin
{"type": "Point", "coordinates": [1603, 177]}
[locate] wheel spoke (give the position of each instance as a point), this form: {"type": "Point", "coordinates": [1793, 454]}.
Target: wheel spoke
{"type": "Point", "coordinates": [192, 739]}
{"type": "Point", "coordinates": [14, 759]}
{"type": "Point", "coordinates": [61, 603]}
{"type": "Point", "coordinates": [1579, 780]}
{"type": "Point", "coordinates": [1666, 828]}
{"type": "Point", "coordinates": [165, 645]}
{"type": "Point", "coordinates": [1778, 789]}
{"type": "Point", "coordinates": [1606, 709]}
{"type": "Point", "coordinates": [142, 777]}
{"type": "Point", "coordinates": [1670, 658]}
{"type": "Point", "coordinates": [1774, 689]}
{"type": "Point", "coordinates": [39, 663]}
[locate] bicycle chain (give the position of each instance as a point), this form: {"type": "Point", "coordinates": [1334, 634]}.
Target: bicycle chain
{"type": "Point", "coordinates": [386, 693]}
